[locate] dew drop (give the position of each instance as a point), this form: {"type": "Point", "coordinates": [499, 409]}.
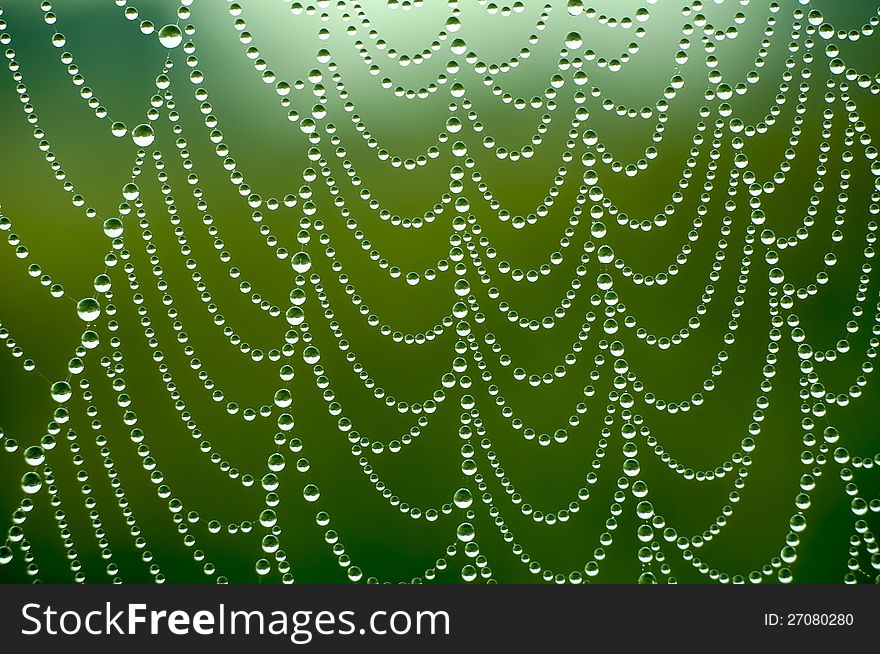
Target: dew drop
{"type": "Point", "coordinates": [61, 391]}
{"type": "Point", "coordinates": [88, 309]}
{"type": "Point", "coordinates": [102, 283]}
{"type": "Point", "coordinates": [295, 316]}
{"type": "Point", "coordinates": [170, 36]}
{"type": "Point", "coordinates": [263, 567]}
{"type": "Point", "coordinates": [5, 554]}
{"type": "Point", "coordinates": [142, 135]}
{"type": "Point", "coordinates": [131, 191]}
{"type": "Point", "coordinates": [34, 455]}
{"type": "Point", "coordinates": [301, 262]}
{"type": "Point", "coordinates": [270, 544]}
{"type": "Point", "coordinates": [777, 276]}
{"type": "Point", "coordinates": [311, 493]}
{"type": "Point", "coordinates": [276, 462]}
{"type": "Point", "coordinates": [463, 498]}
{"type": "Point", "coordinates": [465, 532]}
{"type": "Point", "coordinates": [113, 227]}
{"type": "Point", "coordinates": [31, 482]}
{"type": "Point", "coordinates": [311, 355]}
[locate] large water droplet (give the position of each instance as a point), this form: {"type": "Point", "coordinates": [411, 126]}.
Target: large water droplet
{"type": "Point", "coordinates": [34, 455]}
{"type": "Point", "coordinates": [113, 227]}
{"type": "Point", "coordinates": [311, 493]}
{"type": "Point", "coordinates": [301, 262]}
{"type": "Point", "coordinates": [61, 391]}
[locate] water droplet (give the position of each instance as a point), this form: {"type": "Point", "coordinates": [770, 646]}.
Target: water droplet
{"type": "Point", "coordinates": [142, 135]}
{"type": "Point", "coordinates": [295, 316]}
{"type": "Point", "coordinates": [311, 493]}
{"type": "Point", "coordinates": [301, 262]}
{"type": "Point", "coordinates": [263, 567]}
{"type": "Point", "coordinates": [270, 544]}
{"type": "Point", "coordinates": [113, 227]}
{"type": "Point", "coordinates": [463, 498]}
{"type": "Point", "coordinates": [573, 41]}
{"type": "Point", "coordinates": [311, 355]}
{"type": "Point", "coordinates": [647, 578]}
{"type": "Point", "coordinates": [170, 36]}
{"type": "Point", "coordinates": [276, 462]}
{"type": "Point", "coordinates": [31, 482]}
{"type": "Point", "coordinates": [777, 276]}
{"type": "Point", "coordinates": [61, 391]}
{"type": "Point", "coordinates": [102, 283]}
{"type": "Point", "coordinates": [465, 532]}
{"type": "Point", "coordinates": [34, 455]}
{"type": "Point", "coordinates": [88, 309]}
{"type": "Point", "coordinates": [5, 554]}
{"type": "Point", "coordinates": [131, 191]}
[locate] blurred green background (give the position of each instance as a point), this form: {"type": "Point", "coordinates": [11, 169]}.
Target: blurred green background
{"type": "Point", "coordinates": [120, 65]}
